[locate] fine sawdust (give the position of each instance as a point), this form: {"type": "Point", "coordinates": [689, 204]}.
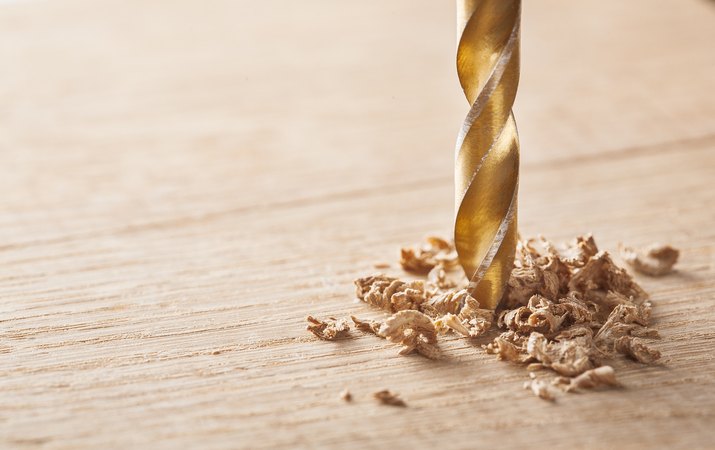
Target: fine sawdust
{"type": "Point", "coordinates": [567, 310]}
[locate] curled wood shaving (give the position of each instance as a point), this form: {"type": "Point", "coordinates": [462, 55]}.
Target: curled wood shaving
{"type": "Point", "coordinates": [387, 397]}
{"type": "Point", "coordinates": [624, 320]}
{"type": "Point", "coordinates": [600, 273]}
{"type": "Point", "coordinates": [329, 329]}
{"type": "Point", "coordinates": [655, 260]}
{"type": "Point", "coordinates": [451, 322]}
{"type": "Point", "coordinates": [540, 388]}
{"type": "Point", "coordinates": [526, 282]}
{"type": "Point", "coordinates": [390, 293]}
{"type": "Point", "coordinates": [374, 286]}
{"type": "Point", "coordinates": [636, 349]}
{"type": "Point", "coordinates": [414, 330]}
{"type": "Point", "coordinates": [509, 346]}
{"type": "Point", "coordinates": [433, 252]}
{"type": "Point", "coordinates": [544, 316]}
{"type": "Point", "coordinates": [579, 251]}
{"type": "Point", "coordinates": [568, 357]}
{"type": "Point", "coordinates": [477, 320]}
{"type": "Point", "coordinates": [472, 321]}
{"type": "Point", "coordinates": [600, 376]}
{"type": "Point", "coordinates": [445, 303]}
{"type": "Point", "coordinates": [446, 278]}
{"type": "Point", "coordinates": [367, 326]}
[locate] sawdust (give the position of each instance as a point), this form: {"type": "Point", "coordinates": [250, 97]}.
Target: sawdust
{"type": "Point", "coordinates": [565, 309]}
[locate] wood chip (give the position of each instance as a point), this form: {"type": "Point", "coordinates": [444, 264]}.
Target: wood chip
{"type": "Point", "coordinates": [387, 397]}
{"type": "Point", "coordinates": [637, 349]}
{"type": "Point", "coordinates": [391, 294]}
{"type": "Point", "coordinates": [655, 260]}
{"type": "Point", "coordinates": [600, 376]}
{"type": "Point", "coordinates": [367, 326]}
{"type": "Point", "coordinates": [421, 260]}
{"type": "Point", "coordinates": [414, 330]}
{"type": "Point", "coordinates": [328, 330]}
{"type": "Point", "coordinates": [346, 396]}
{"type": "Point", "coordinates": [540, 388]}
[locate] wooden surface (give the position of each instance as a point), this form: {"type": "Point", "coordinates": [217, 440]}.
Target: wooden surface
{"type": "Point", "coordinates": [184, 181]}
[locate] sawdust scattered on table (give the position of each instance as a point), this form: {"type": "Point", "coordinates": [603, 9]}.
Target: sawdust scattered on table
{"type": "Point", "coordinates": [565, 309]}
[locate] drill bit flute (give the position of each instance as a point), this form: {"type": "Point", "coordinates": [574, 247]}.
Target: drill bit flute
{"type": "Point", "coordinates": [487, 152]}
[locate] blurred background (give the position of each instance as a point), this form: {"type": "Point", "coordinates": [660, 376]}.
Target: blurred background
{"type": "Point", "coordinates": [155, 103]}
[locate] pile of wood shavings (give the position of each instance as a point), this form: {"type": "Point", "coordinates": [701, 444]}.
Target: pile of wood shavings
{"type": "Point", "coordinates": [567, 310]}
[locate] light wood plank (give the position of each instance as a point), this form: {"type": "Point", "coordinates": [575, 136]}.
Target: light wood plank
{"type": "Point", "coordinates": [184, 181]}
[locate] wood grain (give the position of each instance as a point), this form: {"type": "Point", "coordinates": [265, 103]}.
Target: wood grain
{"type": "Point", "coordinates": [183, 182]}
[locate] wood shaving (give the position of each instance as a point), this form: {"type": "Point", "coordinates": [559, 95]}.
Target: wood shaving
{"type": "Point", "coordinates": [450, 302]}
{"type": "Point", "coordinates": [540, 388]}
{"type": "Point", "coordinates": [655, 260]}
{"type": "Point", "coordinates": [637, 349]}
{"type": "Point", "coordinates": [624, 324]}
{"type": "Point", "coordinates": [367, 326]}
{"type": "Point", "coordinates": [328, 330]}
{"type": "Point", "coordinates": [600, 274]}
{"type": "Point", "coordinates": [391, 294]}
{"type": "Point", "coordinates": [579, 251]}
{"type": "Point", "coordinates": [472, 321]}
{"type": "Point", "coordinates": [477, 320]}
{"type": "Point", "coordinates": [451, 322]}
{"type": "Point", "coordinates": [600, 376]}
{"type": "Point", "coordinates": [421, 260]}
{"type": "Point", "coordinates": [509, 346]}
{"type": "Point", "coordinates": [568, 357]}
{"type": "Point", "coordinates": [346, 396]}
{"type": "Point", "coordinates": [387, 397]}
{"type": "Point", "coordinates": [444, 279]}
{"type": "Point", "coordinates": [414, 330]}
{"type": "Point", "coordinates": [533, 367]}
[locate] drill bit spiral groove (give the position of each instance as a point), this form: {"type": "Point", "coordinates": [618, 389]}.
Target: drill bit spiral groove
{"type": "Point", "coordinates": [487, 151]}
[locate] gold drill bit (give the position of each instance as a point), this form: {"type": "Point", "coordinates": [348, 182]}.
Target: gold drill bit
{"type": "Point", "coordinates": [487, 153]}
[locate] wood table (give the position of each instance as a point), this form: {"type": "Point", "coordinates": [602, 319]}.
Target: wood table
{"type": "Point", "coordinates": [184, 181]}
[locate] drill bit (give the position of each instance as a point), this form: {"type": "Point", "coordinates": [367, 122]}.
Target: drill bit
{"type": "Point", "coordinates": [487, 151]}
